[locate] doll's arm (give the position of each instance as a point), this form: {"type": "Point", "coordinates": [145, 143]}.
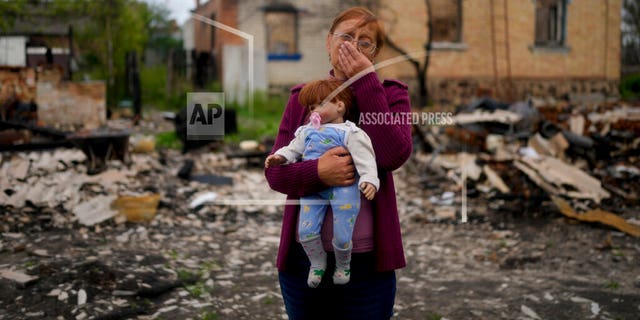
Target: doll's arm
{"type": "Point", "coordinates": [359, 145]}
{"type": "Point", "coordinates": [292, 152]}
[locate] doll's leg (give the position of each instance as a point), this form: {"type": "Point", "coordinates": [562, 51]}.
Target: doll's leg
{"type": "Point", "coordinates": [345, 206]}
{"type": "Point", "coordinates": [310, 221]}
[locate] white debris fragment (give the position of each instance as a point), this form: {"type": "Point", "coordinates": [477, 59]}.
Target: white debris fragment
{"type": "Point", "coordinates": [12, 235]}
{"type": "Point", "coordinates": [39, 314]}
{"type": "Point", "coordinates": [270, 239]}
{"type": "Point", "coordinates": [595, 309]}
{"type": "Point", "coordinates": [123, 293]}
{"type": "Point", "coordinates": [63, 296]}
{"type": "Point", "coordinates": [446, 199]}
{"type": "Point", "coordinates": [200, 305]}
{"type": "Point", "coordinates": [167, 309]}
{"type": "Point", "coordinates": [580, 300]}
{"type": "Point", "coordinates": [203, 198]}
{"type": "Point", "coordinates": [124, 237]}
{"type": "Point", "coordinates": [41, 252]}
{"type": "Point", "coordinates": [258, 297]}
{"type": "Point", "coordinates": [54, 293]}
{"type": "Point", "coordinates": [19, 167]}
{"type": "Point", "coordinates": [163, 310]}
{"type": "Point", "coordinates": [82, 297]}
{"type": "Point", "coordinates": [17, 276]}
{"type": "Point", "coordinates": [530, 313]}
{"type": "Point", "coordinates": [95, 210]}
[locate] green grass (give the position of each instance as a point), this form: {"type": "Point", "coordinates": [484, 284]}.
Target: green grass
{"type": "Point", "coordinates": [168, 140]}
{"type": "Point", "coordinates": [617, 253]}
{"type": "Point", "coordinates": [196, 290]}
{"type": "Point", "coordinates": [268, 300]}
{"type": "Point", "coordinates": [153, 80]}
{"type": "Point", "coordinates": [210, 265]}
{"type": "Point", "coordinates": [262, 123]}
{"type": "Point", "coordinates": [612, 285]}
{"type": "Point", "coordinates": [267, 112]}
{"type": "Point", "coordinates": [186, 275]}
{"type": "Point", "coordinates": [173, 254]}
{"type": "Point", "coordinates": [434, 316]}
{"type": "Point", "coordinates": [209, 316]}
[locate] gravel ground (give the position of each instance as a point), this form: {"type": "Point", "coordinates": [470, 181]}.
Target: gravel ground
{"type": "Point", "coordinates": [513, 260]}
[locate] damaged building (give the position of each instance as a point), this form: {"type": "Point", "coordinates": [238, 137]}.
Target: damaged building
{"type": "Point", "coordinates": [37, 61]}
{"type": "Point", "coordinates": [510, 50]}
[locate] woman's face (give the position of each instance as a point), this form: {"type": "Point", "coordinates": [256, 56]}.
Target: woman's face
{"type": "Point", "coordinates": [364, 33]}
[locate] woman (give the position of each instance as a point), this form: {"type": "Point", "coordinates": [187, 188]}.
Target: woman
{"type": "Point", "coordinates": [354, 39]}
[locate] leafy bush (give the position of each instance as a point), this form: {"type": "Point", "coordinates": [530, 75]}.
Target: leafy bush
{"type": "Point", "coordinates": [630, 87]}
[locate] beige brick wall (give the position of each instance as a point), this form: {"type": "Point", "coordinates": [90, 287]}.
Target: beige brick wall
{"type": "Point", "coordinates": [497, 43]}
{"type": "Point", "coordinates": [502, 50]}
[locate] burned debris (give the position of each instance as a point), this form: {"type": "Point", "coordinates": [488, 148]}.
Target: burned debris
{"type": "Point", "coordinates": [101, 223]}
{"type": "Point", "coordinates": [582, 157]}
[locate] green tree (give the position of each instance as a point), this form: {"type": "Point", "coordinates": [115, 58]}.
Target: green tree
{"type": "Point", "coordinates": [116, 27]}
{"type": "Point", "coordinates": [104, 31]}
{"type": "Point", "coordinates": [631, 32]}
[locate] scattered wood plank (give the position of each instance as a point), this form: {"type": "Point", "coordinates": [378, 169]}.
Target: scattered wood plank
{"type": "Point", "coordinates": [597, 215]}
{"type": "Point", "coordinates": [551, 147]}
{"type": "Point", "coordinates": [577, 124]}
{"type": "Point", "coordinates": [559, 178]}
{"type": "Point", "coordinates": [467, 163]}
{"type": "Point", "coordinates": [495, 179]}
{"type": "Point", "coordinates": [20, 278]}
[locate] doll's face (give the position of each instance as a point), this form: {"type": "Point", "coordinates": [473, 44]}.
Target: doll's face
{"type": "Point", "coordinates": [330, 112]}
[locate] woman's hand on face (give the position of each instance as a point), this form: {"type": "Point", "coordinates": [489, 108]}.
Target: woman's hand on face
{"type": "Point", "coordinates": [351, 61]}
{"type": "Point", "coordinates": [335, 167]}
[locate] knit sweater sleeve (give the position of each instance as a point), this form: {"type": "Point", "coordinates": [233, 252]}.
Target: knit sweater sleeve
{"type": "Point", "coordinates": [391, 140]}
{"type": "Point", "coordinates": [300, 178]}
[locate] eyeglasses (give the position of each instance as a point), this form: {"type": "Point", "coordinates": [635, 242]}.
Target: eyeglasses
{"type": "Point", "coordinates": [364, 45]}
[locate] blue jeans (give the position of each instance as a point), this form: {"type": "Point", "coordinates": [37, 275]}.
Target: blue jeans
{"type": "Point", "coordinates": [369, 294]}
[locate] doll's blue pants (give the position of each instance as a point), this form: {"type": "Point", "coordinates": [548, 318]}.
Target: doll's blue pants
{"type": "Point", "coordinates": [345, 204]}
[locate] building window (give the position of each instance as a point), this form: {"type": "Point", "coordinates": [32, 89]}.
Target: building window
{"type": "Point", "coordinates": [282, 32]}
{"type": "Point", "coordinates": [551, 21]}
{"type": "Point", "coordinates": [447, 20]}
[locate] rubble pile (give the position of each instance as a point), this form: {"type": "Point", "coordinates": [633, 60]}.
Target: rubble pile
{"type": "Point", "coordinates": [137, 239]}
{"type": "Point", "coordinates": [169, 235]}
{"type": "Point", "coordinates": [582, 158]}
{"type": "Point", "coordinates": [58, 179]}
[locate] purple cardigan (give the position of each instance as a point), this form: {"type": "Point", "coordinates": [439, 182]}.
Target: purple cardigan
{"type": "Point", "coordinates": [392, 145]}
